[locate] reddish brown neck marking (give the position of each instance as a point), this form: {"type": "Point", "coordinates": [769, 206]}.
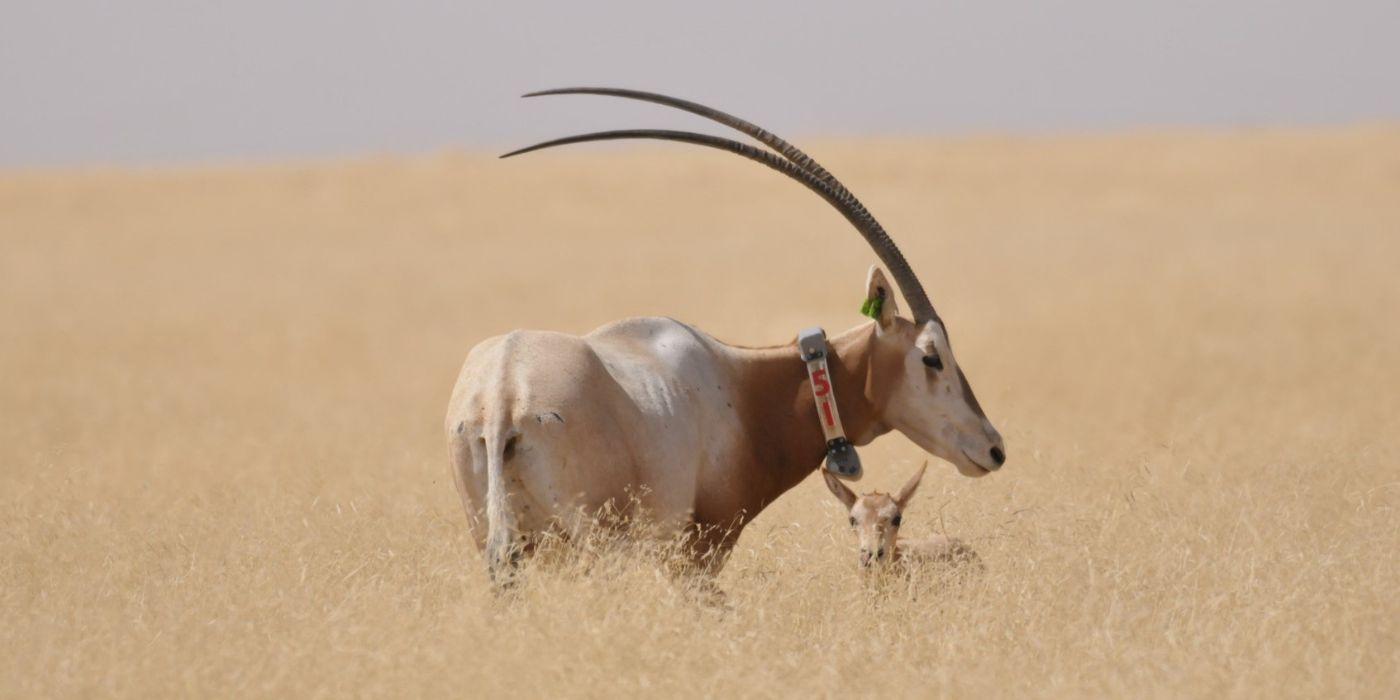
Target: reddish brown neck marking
{"type": "Point", "coordinates": [783, 434]}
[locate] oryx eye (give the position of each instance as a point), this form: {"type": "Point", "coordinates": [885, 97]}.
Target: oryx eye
{"type": "Point", "coordinates": [897, 520]}
{"type": "Point", "coordinates": [933, 361]}
{"type": "Point", "coordinates": [853, 521]}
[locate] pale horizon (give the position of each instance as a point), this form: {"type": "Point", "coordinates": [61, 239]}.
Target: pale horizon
{"type": "Point", "coordinates": [156, 83]}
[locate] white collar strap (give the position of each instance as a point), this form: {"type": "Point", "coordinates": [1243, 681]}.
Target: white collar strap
{"type": "Point", "coordinates": [841, 457]}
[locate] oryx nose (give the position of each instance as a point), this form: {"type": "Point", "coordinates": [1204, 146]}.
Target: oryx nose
{"type": "Point", "coordinates": [998, 456]}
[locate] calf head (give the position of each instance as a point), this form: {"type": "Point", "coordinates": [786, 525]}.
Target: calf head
{"type": "Point", "coordinates": [875, 517]}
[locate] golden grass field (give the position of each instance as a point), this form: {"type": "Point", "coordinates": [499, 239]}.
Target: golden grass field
{"type": "Point", "coordinates": [222, 469]}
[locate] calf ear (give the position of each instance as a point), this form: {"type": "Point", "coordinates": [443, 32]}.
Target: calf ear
{"type": "Point", "coordinates": [879, 298]}
{"type": "Point", "coordinates": [907, 491]}
{"type": "Point", "coordinates": [842, 492]}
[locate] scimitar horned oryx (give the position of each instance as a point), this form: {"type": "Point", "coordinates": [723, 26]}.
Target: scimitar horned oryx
{"type": "Point", "coordinates": [549, 430]}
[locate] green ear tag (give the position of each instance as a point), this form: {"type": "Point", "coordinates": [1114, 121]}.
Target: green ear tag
{"type": "Point", "coordinates": [872, 307]}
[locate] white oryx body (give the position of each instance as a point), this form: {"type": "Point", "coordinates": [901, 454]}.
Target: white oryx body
{"type": "Point", "coordinates": [642, 404]}
{"type": "Point", "coordinates": [653, 417]}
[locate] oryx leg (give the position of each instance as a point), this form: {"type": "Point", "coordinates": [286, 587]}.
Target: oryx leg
{"type": "Point", "coordinates": [709, 547]}
{"type": "Point", "coordinates": [468, 473]}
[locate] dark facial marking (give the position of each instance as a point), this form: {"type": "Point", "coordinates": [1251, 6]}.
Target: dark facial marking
{"type": "Point", "coordinates": [968, 395]}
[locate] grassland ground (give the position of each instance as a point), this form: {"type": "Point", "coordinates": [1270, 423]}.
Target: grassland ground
{"type": "Point", "coordinates": [221, 390]}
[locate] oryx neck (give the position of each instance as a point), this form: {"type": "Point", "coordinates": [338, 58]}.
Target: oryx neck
{"type": "Point", "coordinates": [780, 418]}
{"type": "Point", "coordinates": [852, 366]}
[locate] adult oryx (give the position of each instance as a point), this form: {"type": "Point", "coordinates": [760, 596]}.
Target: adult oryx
{"type": "Point", "coordinates": [547, 430]}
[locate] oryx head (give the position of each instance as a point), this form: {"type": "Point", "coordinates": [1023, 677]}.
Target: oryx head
{"type": "Point", "coordinates": [921, 391]}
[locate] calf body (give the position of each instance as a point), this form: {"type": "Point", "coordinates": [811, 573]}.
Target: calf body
{"type": "Point", "coordinates": [876, 519]}
{"type": "Point", "coordinates": [934, 548]}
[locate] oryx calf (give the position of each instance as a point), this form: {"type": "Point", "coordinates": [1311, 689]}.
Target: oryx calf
{"type": "Point", "coordinates": [875, 519]}
{"type": "Point", "coordinates": [547, 430]}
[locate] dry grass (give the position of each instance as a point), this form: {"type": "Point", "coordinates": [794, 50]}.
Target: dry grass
{"type": "Point", "coordinates": [221, 471]}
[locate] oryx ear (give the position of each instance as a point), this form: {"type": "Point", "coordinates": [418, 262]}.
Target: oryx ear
{"type": "Point", "coordinates": [879, 298]}
{"type": "Point", "coordinates": [842, 492]}
{"type": "Point", "coordinates": [906, 492]}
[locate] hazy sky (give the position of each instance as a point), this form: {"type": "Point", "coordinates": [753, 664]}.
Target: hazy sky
{"type": "Point", "coordinates": [146, 81]}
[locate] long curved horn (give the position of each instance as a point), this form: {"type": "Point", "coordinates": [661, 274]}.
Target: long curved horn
{"type": "Point", "coordinates": [818, 180]}
{"type": "Point", "coordinates": [758, 133]}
